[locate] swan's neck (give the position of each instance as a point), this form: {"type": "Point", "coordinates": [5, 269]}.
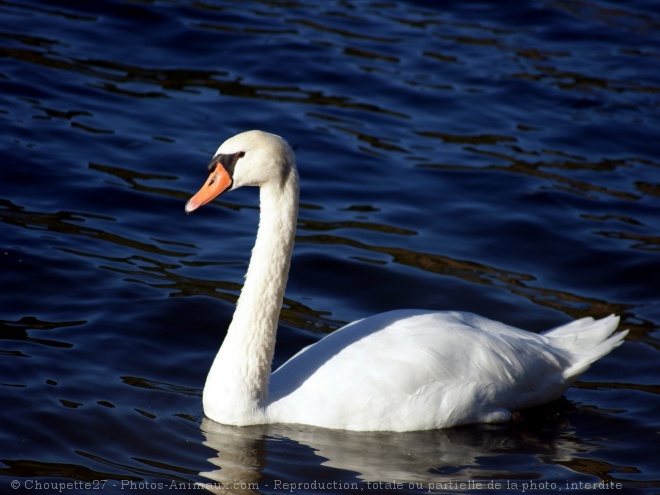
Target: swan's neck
{"type": "Point", "coordinates": [237, 384]}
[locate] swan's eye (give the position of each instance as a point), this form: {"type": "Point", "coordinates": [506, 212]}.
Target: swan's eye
{"type": "Point", "coordinates": [228, 162]}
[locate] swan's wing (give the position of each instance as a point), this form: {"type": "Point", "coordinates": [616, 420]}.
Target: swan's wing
{"type": "Point", "coordinates": [417, 370]}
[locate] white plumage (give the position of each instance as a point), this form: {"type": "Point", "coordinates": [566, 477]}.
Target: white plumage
{"type": "Point", "coordinates": [398, 371]}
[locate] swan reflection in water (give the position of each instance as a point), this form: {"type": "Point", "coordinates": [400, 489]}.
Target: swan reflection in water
{"type": "Point", "coordinates": [417, 376]}
{"type": "Point", "coordinates": [262, 457]}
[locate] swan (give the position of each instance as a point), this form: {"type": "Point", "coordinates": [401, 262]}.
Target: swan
{"type": "Point", "coordinates": [403, 370]}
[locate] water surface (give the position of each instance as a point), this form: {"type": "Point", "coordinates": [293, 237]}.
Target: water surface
{"type": "Point", "coordinates": [494, 157]}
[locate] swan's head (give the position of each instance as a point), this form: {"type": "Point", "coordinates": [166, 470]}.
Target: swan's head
{"type": "Point", "coordinates": [252, 158]}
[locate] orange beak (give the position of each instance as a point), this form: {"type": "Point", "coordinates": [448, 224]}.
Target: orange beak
{"type": "Point", "coordinates": [219, 181]}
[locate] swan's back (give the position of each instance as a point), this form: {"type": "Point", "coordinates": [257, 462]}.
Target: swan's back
{"type": "Point", "coordinates": [413, 370]}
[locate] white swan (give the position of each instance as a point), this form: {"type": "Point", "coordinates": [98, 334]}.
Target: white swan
{"type": "Point", "coordinates": [398, 371]}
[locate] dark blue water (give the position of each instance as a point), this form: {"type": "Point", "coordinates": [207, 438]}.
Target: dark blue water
{"type": "Point", "coordinates": [495, 157]}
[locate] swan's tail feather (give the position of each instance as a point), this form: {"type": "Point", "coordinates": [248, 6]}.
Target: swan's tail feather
{"type": "Point", "coordinates": [587, 340]}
